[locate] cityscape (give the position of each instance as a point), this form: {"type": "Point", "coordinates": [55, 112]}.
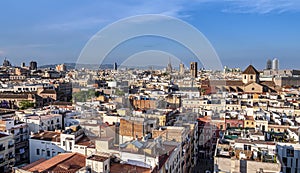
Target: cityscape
{"type": "Point", "coordinates": [148, 92]}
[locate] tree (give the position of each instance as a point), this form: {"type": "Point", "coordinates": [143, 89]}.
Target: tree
{"type": "Point", "coordinates": [26, 104]}
{"type": "Point", "coordinates": [119, 92]}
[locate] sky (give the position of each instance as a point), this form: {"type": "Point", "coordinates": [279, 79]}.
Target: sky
{"type": "Point", "coordinates": [242, 32]}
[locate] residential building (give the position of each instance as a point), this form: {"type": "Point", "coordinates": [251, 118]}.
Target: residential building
{"type": "Point", "coordinates": [288, 155]}
{"type": "Point", "coordinates": [7, 152]}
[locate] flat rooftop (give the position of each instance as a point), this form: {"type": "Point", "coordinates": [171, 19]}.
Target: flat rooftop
{"type": "Point", "coordinates": [98, 158]}
{"type": "Point", "coordinates": [47, 136]}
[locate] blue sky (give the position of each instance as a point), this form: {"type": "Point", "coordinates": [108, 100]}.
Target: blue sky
{"type": "Point", "coordinates": [241, 31]}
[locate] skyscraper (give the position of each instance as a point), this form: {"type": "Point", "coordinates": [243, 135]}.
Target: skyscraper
{"type": "Point", "coordinates": [269, 65]}
{"type": "Point", "coordinates": [275, 64]}
{"type": "Point", "coordinates": [33, 65]}
{"type": "Point", "coordinates": [6, 63]}
{"type": "Point", "coordinates": [115, 66]}
{"type": "Point", "coordinates": [194, 69]}
{"type": "Point", "coordinates": [23, 65]}
{"type": "Point", "coordinates": [169, 66]}
{"type": "Point", "coordinates": [181, 68]}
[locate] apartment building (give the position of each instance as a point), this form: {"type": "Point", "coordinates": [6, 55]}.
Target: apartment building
{"type": "Point", "coordinates": [7, 152]}
{"type": "Point", "coordinates": [48, 144]}
{"type": "Point", "coordinates": [20, 132]}
{"type": "Point", "coordinates": [45, 121]}
{"type": "Point", "coordinates": [289, 156]}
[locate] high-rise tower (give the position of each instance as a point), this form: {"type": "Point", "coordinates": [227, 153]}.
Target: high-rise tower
{"type": "Point", "coordinates": [181, 68]}
{"type": "Point", "coordinates": [275, 64]}
{"type": "Point", "coordinates": [194, 69]}
{"type": "Point", "coordinates": [269, 65]}
{"type": "Point", "coordinates": [33, 65]}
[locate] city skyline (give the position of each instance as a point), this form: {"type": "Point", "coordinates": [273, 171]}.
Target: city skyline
{"type": "Point", "coordinates": [241, 32]}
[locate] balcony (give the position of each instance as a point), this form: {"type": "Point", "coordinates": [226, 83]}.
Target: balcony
{"type": "Point", "coordinates": [17, 134]}
{"type": "Point", "coordinates": [21, 144]}
{"type": "Point", "coordinates": [11, 156]}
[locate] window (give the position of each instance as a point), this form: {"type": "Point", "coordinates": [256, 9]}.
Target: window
{"type": "Point", "coordinates": [245, 77]}
{"type": "Point", "coordinates": [251, 77]}
{"type": "Point", "coordinates": [48, 153]}
{"type": "Point", "coordinates": [64, 143]}
{"type": "Point", "coordinates": [284, 160]}
{"type": "Point", "coordinates": [253, 89]}
{"type": "Point", "coordinates": [37, 151]}
{"type": "Point", "coordinates": [290, 153]}
{"type": "Point", "coordinates": [105, 167]}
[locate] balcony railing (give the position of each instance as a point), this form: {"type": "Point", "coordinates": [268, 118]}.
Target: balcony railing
{"type": "Point", "coordinates": [11, 156]}
{"type": "Point", "coordinates": [21, 144]}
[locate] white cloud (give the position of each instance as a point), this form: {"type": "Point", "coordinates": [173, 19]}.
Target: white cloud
{"type": "Point", "coordinates": [74, 24]}
{"type": "Point", "coordinates": [261, 6]}
{"type": "Point", "coordinates": [2, 52]}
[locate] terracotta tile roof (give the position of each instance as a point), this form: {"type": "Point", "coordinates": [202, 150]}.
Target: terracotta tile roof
{"type": "Point", "coordinates": [66, 163]}
{"type": "Point", "coordinates": [226, 83]}
{"type": "Point", "coordinates": [27, 167]}
{"type": "Point", "coordinates": [234, 83]}
{"type": "Point", "coordinates": [124, 168]}
{"type": "Point", "coordinates": [48, 92]}
{"type": "Point", "coordinates": [270, 84]}
{"type": "Point", "coordinates": [250, 70]}
{"type": "Point", "coordinates": [72, 164]}
{"type": "Point", "coordinates": [13, 96]}
{"type": "Point", "coordinates": [86, 141]}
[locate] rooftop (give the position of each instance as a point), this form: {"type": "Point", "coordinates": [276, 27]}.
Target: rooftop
{"type": "Point", "coordinates": [47, 136]}
{"type": "Point", "coordinates": [66, 162]}
{"type": "Point", "coordinates": [250, 70]}
{"type": "Point", "coordinates": [124, 168]}
{"type": "Point", "coordinates": [98, 158]}
{"type": "Point", "coordinates": [2, 135]}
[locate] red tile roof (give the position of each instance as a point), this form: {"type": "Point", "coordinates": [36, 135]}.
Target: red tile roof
{"type": "Point", "coordinates": [250, 70]}
{"type": "Point", "coordinates": [124, 168]}
{"type": "Point", "coordinates": [27, 167]}
{"type": "Point", "coordinates": [66, 163]}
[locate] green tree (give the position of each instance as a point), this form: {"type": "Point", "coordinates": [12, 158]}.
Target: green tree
{"type": "Point", "coordinates": [26, 104]}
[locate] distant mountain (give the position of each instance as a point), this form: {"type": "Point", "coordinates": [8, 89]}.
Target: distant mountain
{"type": "Point", "coordinates": [69, 66]}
